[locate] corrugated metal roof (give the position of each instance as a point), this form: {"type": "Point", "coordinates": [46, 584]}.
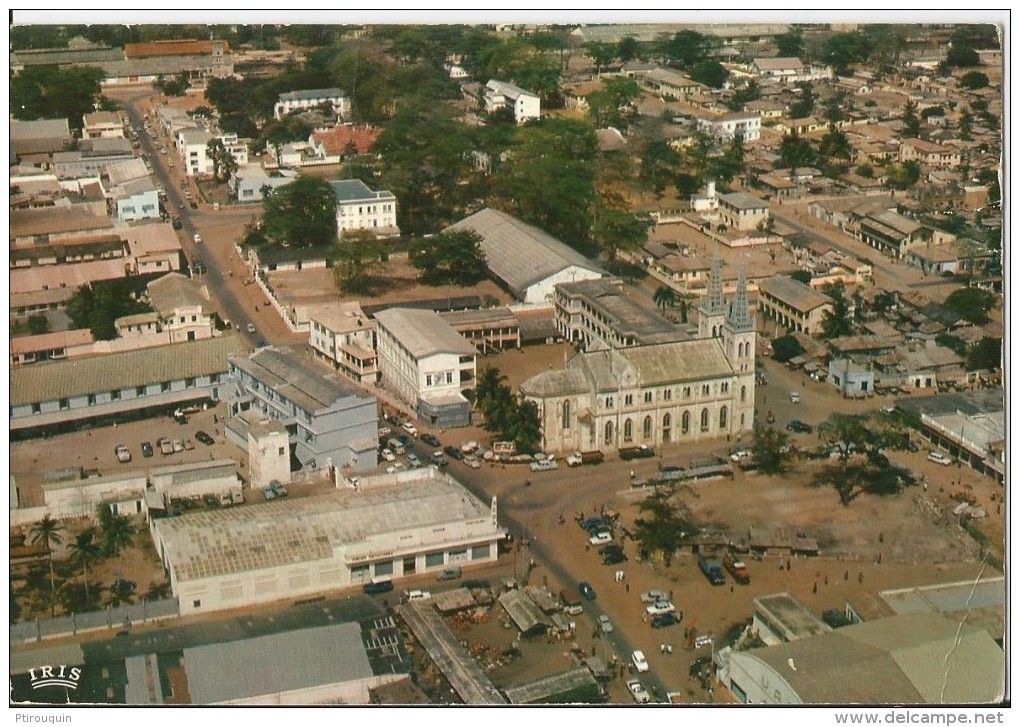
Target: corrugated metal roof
{"type": "Point", "coordinates": [65, 379]}
{"type": "Point", "coordinates": [296, 378]}
{"type": "Point", "coordinates": [423, 332]}
{"type": "Point", "coordinates": [793, 293]}
{"type": "Point", "coordinates": [518, 253]}
{"type": "Point", "coordinates": [313, 93]}
{"type": "Point", "coordinates": [173, 291]}
{"type": "Point", "coordinates": [660, 363]}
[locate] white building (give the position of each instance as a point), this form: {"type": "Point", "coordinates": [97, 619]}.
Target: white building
{"type": "Point", "coordinates": [426, 363]}
{"type": "Point", "coordinates": [392, 526]}
{"type": "Point", "coordinates": [343, 335]}
{"type": "Point", "coordinates": [528, 261]}
{"type": "Point", "coordinates": [659, 393]}
{"type": "Point", "coordinates": [727, 126]}
{"type": "Point", "coordinates": [298, 100]}
{"type": "Point", "coordinates": [136, 200]}
{"type": "Point", "coordinates": [741, 211]}
{"type": "Point", "coordinates": [192, 144]}
{"type": "Point", "coordinates": [268, 453]}
{"type": "Point", "coordinates": [102, 125]}
{"type": "Point", "coordinates": [185, 313]}
{"type": "Point", "coordinates": [359, 208]}
{"type": "Point", "coordinates": [499, 94]}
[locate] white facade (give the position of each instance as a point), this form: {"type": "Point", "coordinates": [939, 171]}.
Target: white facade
{"type": "Point", "coordinates": [544, 291]}
{"type": "Point", "coordinates": [360, 208]}
{"type": "Point", "coordinates": [498, 95]}
{"type": "Point", "coordinates": [299, 100]}
{"type": "Point", "coordinates": [193, 147]}
{"type": "Point", "coordinates": [140, 205]}
{"type": "Point", "coordinates": [727, 126]}
{"type": "Point", "coordinates": [344, 336]}
{"type": "Point", "coordinates": [268, 453]}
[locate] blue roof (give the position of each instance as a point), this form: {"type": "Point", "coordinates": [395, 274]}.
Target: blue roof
{"type": "Point", "coordinates": [351, 190]}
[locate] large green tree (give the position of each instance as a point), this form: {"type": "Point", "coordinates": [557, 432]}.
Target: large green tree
{"type": "Point", "coordinates": [837, 322]}
{"type": "Point", "coordinates": [709, 72]}
{"type": "Point", "coordinates": [911, 122]}
{"type": "Point", "coordinates": [972, 304]}
{"type": "Point", "coordinates": [795, 152]}
{"type": "Point", "coordinates": [48, 92]}
{"type": "Point", "coordinates": [842, 50]}
{"type": "Point", "coordinates": [354, 257]}
{"type": "Point", "coordinates": [616, 229]}
{"type": "Point", "coordinates": [661, 525]}
{"type": "Point", "coordinates": [453, 257]}
{"type": "Point", "coordinates": [98, 305]}
{"type": "Point", "coordinates": [985, 354]}
{"type": "Point", "coordinates": [862, 466]}
{"type": "Point", "coordinates": [770, 449]}
{"type": "Point", "coordinates": [790, 44]}
{"type": "Point", "coordinates": [301, 214]}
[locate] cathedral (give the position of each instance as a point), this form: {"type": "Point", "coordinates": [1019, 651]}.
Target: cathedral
{"type": "Point", "coordinates": [607, 398]}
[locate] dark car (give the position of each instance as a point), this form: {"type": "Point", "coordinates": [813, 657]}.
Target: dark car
{"type": "Point", "coordinates": [430, 439]}
{"type": "Point", "coordinates": [193, 204]}
{"type": "Point", "coordinates": [378, 587]}
{"type": "Point", "coordinates": [664, 620]}
{"type": "Point", "coordinates": [212, 500]}
{"type": "Point", "coordinates": [586, 590]}
{"type": "Point", "coordinates": [475, 585]}
{"type": "Point", "coordinates": [454, 453]}
{"type": "Point", "coordinates": [800, 427]}
{"type": "Point", "coordinates": [204, 438]}
{"type": "Point", "coordinates": [177, 224]}
{"type": "Point", "coordinates": [146, 449]}
{"type": "Point", "coordinates": [614, 558]}
{"type": "Point", "coordinates": [610, 548]}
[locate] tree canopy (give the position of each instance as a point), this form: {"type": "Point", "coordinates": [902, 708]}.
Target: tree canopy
{"type": "Point", "coordinates": [452, 257]}
{"type": "Point", "coordinates": [770, 449]}
{"type": "Point", "coordinates": [973, 80]}
{"type": "Point", "coordinates": [48, 92]}
{"type": "Point", "coordinates": [300, 214]}
{"type": "Point", "coordinates": [509, 417]}
{"type": "Point", "coordinates": [972, 304]}
{"type": "Point", "coordinates": [661, 525]}
{"type": "Point", "coordinates": [617, 229]}
{"type": "Point", "coordinates": [98, 305]}
{"type": "Point", "coordinates": [837, 322]}
{"type": "Point", "coordinates": [862, 467]}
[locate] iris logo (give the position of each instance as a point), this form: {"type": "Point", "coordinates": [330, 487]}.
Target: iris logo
{"type": "Point", "coordinates": [54, 676]}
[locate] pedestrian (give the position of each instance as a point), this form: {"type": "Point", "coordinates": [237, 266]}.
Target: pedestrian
{"type": "Point", "coordinates": [731, 588]}
{"type": "Point", "coordinates": [814, 588]}
{"type": "Point", "coordinates": [860, 577]}
{"type": "Point", "coordinates": [626, 587]}
{"type": "Point", "coordinates": [681, 614]}
{"type": "Point", "coordinates": [788, 563]}
{"type": "Point", "coordinates": [826, 579]}
{"type": "Point", "coordinates": [846, 575]}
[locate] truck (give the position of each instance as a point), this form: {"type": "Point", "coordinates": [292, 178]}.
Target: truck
{"type": "Point", "coordinates": [640, 452]}
{"type": "Point", "coordinates": [712, 569]}
{"type": "Point", "coordinates": [736, 569]}
{"type": "Point", "coordinates": [571, 599]}
{"type": "Point", "coordinates": [579, 458]}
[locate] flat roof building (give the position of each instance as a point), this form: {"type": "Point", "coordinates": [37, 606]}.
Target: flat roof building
{"type": "Point", "coordinates": [360, 208]}
{"type": "Point", "coordinates": [601, 310]}
{"type": "Point", "coordinates": [411, 522]}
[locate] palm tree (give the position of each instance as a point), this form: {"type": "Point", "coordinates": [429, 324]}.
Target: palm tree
{"type": "Point", "coordinates": [85, 550]}
{"type": "Point", "coordinates": [118, 533]}
{"type": "Point", "coordinates": [47, 532]}
{"type": "Point", "coordinates": [120, 592]}
{"type": "Point", "coordinates": [663, 297]}
{"type": "Point", "coordinates": [157, 591]}
{"type": "Point", "coordinates": [489, 382]}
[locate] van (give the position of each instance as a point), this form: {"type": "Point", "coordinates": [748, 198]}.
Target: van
{"type": "Point", "coordinates": [396, 445]}
{"type": "Point", "coordinates": [417, 595]}
{"type": "Point", "coordinates": [449, 574]}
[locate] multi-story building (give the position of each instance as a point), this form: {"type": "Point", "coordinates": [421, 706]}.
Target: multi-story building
{"type": "Point", "coordinates": [343, 335]}
{"type": "Point", "coordinates": [741, 211]}
{"type": "Point", "coordinates": [600, 310]}
{"type": "Point", "coordinates": [425, 362]}
{"type": "Point", "coordinates": [328, 421]}
{"type": "Point", "coordinates": [489, 329]}
{"type": "Point", "coordinates": [136, 200]}
{"type": "Point", "coordinates": [183, 307]}
{"type": "Point", "coordinates": [891, 232]}
{"type": "Point", "coordinates": [359, 208]}
{"type": "Point", "coordinates": [103, 125]}
{"type": "Point", "coordinates": [193, 146]}
{"type": "Point", "coordinates": [727, 126]}
{"type": "Point", "coordinates": [298, 100]}
{"type": "Point", "coordinates": [659, 393]}
{"type": "Point", "coordinates": [792, 304]}
{"type": "Point", "coordinates": [935, 155]}
{"type": "Point", "coordinates": [499, 94]}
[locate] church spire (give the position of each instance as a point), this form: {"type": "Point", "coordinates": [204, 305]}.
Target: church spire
{"type": "Point", "coordinates": [739, 318]}
{"type": "Point", "coordinates": [714, 304]}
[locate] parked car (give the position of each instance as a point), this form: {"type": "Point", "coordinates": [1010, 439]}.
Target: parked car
{"type": "Point", "coordinates": [453, 453]}
{"type": "Point", "coordinates": [146, 449]}
{"type": "Point", "coordinates": [660, 607]}
{"type": "Point", "coordinates": [653, 596]}
{"type": "Point", "coordinates": [411, 429]}
{"type": "Point", "coordinates": [269, 493]}
{"type": "Point", "coordinates": [638, 691]}
{"type": "Point", "coordinates": [384, 432]}
{"type": "Point", "coordinates": [417, 595]}
{"type": "Point", "coordinates": [377, 587]}
{"type": "Point", "coordinates": [198, 239]}
{"type": "Point", "coordinates": [251, 328]}
{"type": "Point", "coordinates": [204, 438]}
{"type": "Point", "coordinates": [740, 454]}
{"type": "Point", "coordinates": [178, 445]}
{"type": "Point", "coordinates": [795, 397]}
{"type": "Point", "coordinates": [188, 444]}
{"type": "Point", "coordinates": [388, 455]}
{"type": "Point", "coordinates": [605, 624]}
{"type": "Point", "coordinates": [544, 465]}
{"type": "Point", "coordinates": [601, 538]}
{"type": "Point", "coordinates": [450, 573]}
{"type": "Point", "coordinates": [614, 557]}
{"type": "Point", "coordinates": [279, 489]}
{"type": "Point", "coordinates": [665, 620]}
{"type": "Point", "coordinates": [431, 439]}
{"type": "Point", "coordinates": [800, 427]}
{"type": "Point", "coordinates": [165, 446]}
{"type": "Point", "coordinates": [586, 590]}
{"type": "Point", "coordinates": [412, 461]}
{"type": "Point", "coordinates": [123, 455]}
{"type": "Point", "coordinates": [640, 662]}
{"type": "Point", "coordinates": [438, 459]}
{"type": "Point", "coordinates": [939, 458]}
{"type": "Point", "coordinates": [472, 461]}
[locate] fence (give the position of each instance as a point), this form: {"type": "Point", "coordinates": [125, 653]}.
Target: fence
{"type": "Point", "coordinates": [109, 618]}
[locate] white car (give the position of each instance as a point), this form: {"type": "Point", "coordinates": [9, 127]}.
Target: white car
{"type": "Point", "coordinates": [472, 462]}
{"type": "Point", "coordinates": [417, 595]}
{"type": "Point", "coordinates": [939, 458]}
{"type": "Point", "coordinates": [605, 624]}
{"type": "Point", "coordinates": [660, 607]}
{"type": "Point", "coordinates": [123, 455]}
{"type": "Point", "coordinates": [602, 538]}
{"type": "Point", "coordinates": [410, 429]}
{"type": "Point", "coordinates": [544, 465]}
{"type": "Point", "coordinates": [640, 662]}
{"type": "Point", "coordinates": [638, 691]}
{"type": "Point", "coordinates": [412, 461]}
{"type": "Point", "coordinates": [740, 454]}
{"type": "Point", "coordinates": [198, 239]}
{"type": "Point", "coordinates": [388, 455]}
{"type": "Point", "coordinates": [653, 596]}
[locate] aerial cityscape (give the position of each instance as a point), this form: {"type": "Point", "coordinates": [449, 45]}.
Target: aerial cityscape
{"type": "Point", "coordinates": [507, 364]}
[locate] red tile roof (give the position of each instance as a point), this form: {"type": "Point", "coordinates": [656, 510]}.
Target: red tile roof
{"type": "Point", "coordinates": [171, 48]}
{"type": "Point", "coordinates": [337, 139]}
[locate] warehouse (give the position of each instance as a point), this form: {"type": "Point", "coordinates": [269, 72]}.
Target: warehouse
{"type": "Point", "coordinates": [411, 522]}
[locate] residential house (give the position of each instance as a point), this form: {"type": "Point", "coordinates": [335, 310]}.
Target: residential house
{"type": "Point", "coordinates": [249, 184]}
{"type": "Point", "coordinates": [93, 158]}
{"type": "Point", "coordinates": [499, 94]}
{"type": "Point", "coordinates": [741, 211]}
{"type": "Point", "coordinates": [891, 232]}
{"type": "Point", "coordinates": [51, 346]}
{"type": "Point", "coordinates": [360, 208]}
{"type": "Point", "coordinates": [347, 139]}
{"type": "Point", "coordinates": [299, 100]}
{"type": "Point", "coordinates": [853, 377]}
{"type": "Point", "coordinates": [102, 125]}
{"type": "Point", "coordinates": [173, 120]}
{"type": "Point", "coordinates": [727, 126]}
{"type": "Point", "coordinates": [425, 362]}
{"type": "Point", "coordinates": [184, 308]}
{"type": "Point", "coordinates": [667, 82]}
{"type": "Point", "coordinates": [779, 69]}
{"type": "Point", "coordinates": [329, 422]}
{"type": "Point", "coordinates": [681, 391]}
{"type": "Point", "coordinates": [343, 335]}
{"type": "Point", "coordinates": [925, 152]}
{"type": "Point", "coordinates": [792, 304]}
{"type": "Point", "coordinates": [153, 248]}
{"type": "Point", "coordinates": [136, 200]}
{"type": "Point", "coordinates": [29, 227]}
{"type": "Point", "coordinates": [528, 261]}
{"type": "Point", "coordinates": [39, 138]}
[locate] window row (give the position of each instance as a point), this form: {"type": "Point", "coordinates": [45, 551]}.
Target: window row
{"type": "Point", "coordinates": [667, 424]}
